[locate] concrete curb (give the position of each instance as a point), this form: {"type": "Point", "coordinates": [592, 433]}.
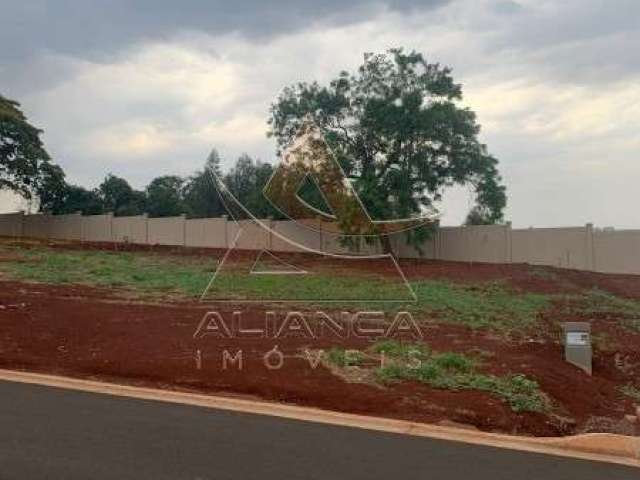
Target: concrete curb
{"type": "Point", "coordinates": [600, 447]}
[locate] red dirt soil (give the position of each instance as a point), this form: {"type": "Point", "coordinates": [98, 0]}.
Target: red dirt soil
{"type": "Point", "coordinates": [94, 333]}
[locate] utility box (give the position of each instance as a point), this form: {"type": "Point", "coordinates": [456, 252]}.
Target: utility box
{"type": "Point", "coordinates": [577, 344]}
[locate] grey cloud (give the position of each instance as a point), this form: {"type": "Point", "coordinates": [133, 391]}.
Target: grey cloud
{"type": "Point", "coordinates": [98, 28]}
{"type": "Point", "coordinates": [584, 41]}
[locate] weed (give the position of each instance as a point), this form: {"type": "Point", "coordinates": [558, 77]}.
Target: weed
{"type": "Point", "coordinates": [631, 391]}
{"type": "Point", "coordinates": [601, 302]}
{"type": "Point", "coordinates": [455, 371]}
{"type": "Point", "coordinates": [487, 305]}
{"type": "Point", "coordinates": [345, 358]}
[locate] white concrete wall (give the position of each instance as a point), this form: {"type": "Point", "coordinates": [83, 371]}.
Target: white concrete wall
{"type": "Point", "coordinates": [97, 228]}
{"type": "Point", "coordinates": [583, 248]}
{"type": "Point", "coordinates": [37, 226]}
{"type": "Point", "coordinates": [65, 227]}
{"type": "Point", "coordinates": [300, 235]}
{"type": "Point", "coordinates": [617, 251]}
{"type": "Point", "coordinates": [206, 232]}
{"type": "Point", "coordinates": [252, 236]}
{"type": "Point", "coordinates": [559, 247]}
{"type": "Point", "coordinates": [11, 224]}
{"type": "Point", "coordinates": [130, 229]}
{"type": "Point", "coordinates": [482, 243]}
{"type": "Point", "coordinates": [167, 231]}
{"type": "Point", "coordinates": [405, 250]}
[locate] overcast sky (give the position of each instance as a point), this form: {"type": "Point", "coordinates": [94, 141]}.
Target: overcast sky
{"type": "Point", "coordinates": [144, 88]}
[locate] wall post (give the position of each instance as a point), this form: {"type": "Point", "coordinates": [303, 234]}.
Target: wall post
{"type": "Point", "coordinates": [590, 263]}
{"type": "Point", "coordinates": [270, 233]}
{"type": "Point", "coordinates": [110, 220]}
{"type": "Point", "coordinates": [22, 221]}
{"type": "Point", "coordinates": [146, 228]}
{"type": "Point", "coordinates": [226, 231]}
{"type": "Point", "coordinates": [184, 229]}
{"type": "Point", "coordinates": [81, 216]}
{"type": "Point", "coordinates": [508, 243]}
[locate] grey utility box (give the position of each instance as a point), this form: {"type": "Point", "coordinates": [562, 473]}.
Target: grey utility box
{"type": "Point", "coordinates": [577, 344]}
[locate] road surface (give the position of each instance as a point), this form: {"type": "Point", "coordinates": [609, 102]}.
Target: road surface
{"type": "Point", "coordinates": [48, 433]}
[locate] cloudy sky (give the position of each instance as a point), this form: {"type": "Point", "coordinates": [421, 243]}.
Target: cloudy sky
{"type": "Point", "coordinates": [144, 88]}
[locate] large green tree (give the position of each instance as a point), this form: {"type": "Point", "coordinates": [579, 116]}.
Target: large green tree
{"type": "Point", "coordinates": [120, 198]}
{"type": "Point", "coordinates": [246, 182]}
{"type": "Point", "coordinates": [397, 128]}
{"type": "Point", "coordinates": [75, 199]}
{"type": "Point", "coordinates": [201, 196]}
{"type": "Point", "coordinates": [164, 196]}
{"type": "Point", "coordinates": [25, 166]}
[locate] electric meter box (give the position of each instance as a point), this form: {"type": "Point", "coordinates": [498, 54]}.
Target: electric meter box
{"type": "Point", "coordinates": [577, 344]}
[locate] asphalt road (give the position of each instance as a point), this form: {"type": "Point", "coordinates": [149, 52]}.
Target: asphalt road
{"type": "Point", "coordinates": [48, 433]}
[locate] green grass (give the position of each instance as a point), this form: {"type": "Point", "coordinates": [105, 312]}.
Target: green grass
{"type": "Point", "coordinates": [455, 371]}
{"type": "Point", "coordinates": [341, 290]}
{"type": "Point", "coordinates": [600, 302]}
{"type": "Point", "coordinates": [630, 391]}
{"type": "Point", "coordinates": [345, 358]}
{"type": "Point", "coordinates": [482, 305]}
{"type": "Point", "coordinates": [146, 273]}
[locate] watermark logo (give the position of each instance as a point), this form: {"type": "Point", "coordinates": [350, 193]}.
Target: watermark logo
{"type": "Point", "coordinates": [343, 235]}
{"type": "Point", "coordinates": [370, 325]}
{"type": "Point", "coordinates": [308, 251]}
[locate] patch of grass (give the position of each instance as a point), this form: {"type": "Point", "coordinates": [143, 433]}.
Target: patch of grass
{"type": "Point", "coordinates": [345, 358]}
{"type": "Point", "coordinates": [601, 302]}
{"type": "Point", "coordinates": [455, 371]}
{"type": "Point", "coordinates": [543, 273]}
{"type": "Point", "coordinates": [454, 362]}
{"type": "Point", "coordinates": [185, 276]}
{"type": "Point", "coordinates": [522, 393]}
{"type": "Point", "coordinates": [479, 306]}
{"type": "Point", "coordinates": [310, 289]}
{"type": "Point", "coordinates": [630, 391]}
{"type": "Point", "coordinates": [147, 273]}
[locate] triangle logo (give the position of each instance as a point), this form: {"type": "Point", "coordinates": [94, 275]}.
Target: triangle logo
{"type": "Point", "coordinates": [267, 263]}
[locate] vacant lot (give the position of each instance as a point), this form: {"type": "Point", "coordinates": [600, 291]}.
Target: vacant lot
{"type": "Point", "coordinates": [490, 354]}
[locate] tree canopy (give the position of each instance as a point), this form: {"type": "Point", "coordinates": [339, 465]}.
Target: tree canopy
{"type": "Point", "coordinates": [164, 196]}
{"type": "Point", "coordinates": [399, 132]}
{"type": "Point", "coordinates": [168, 195]}
{"type": "Point", "coordinates": [246, 181]}
{"type": "Point", "coordinates": [25, 166]}
{"type": "Point", "coordinates": [201, 197]}
{"type": "Point", "coordinates": [120, 198]}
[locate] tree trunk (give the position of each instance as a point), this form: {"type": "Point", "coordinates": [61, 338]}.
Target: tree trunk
{"type": "Point", "coordinates": [386, 244]}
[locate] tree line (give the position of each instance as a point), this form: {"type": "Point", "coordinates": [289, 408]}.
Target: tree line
{"type": "Point", "coordinates": [169, 195]}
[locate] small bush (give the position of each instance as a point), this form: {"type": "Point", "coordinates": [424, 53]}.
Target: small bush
{"type": "Point", "coordinates": [630, 391]}
{"type": "Point", "coordinates": [454, 362]}
{"type": "Point", "coordinates": [345, 358]}
{"type": "Point", "coordinates": [599, 301]}
{"type": "Point", "coordinates": [455, 371]}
